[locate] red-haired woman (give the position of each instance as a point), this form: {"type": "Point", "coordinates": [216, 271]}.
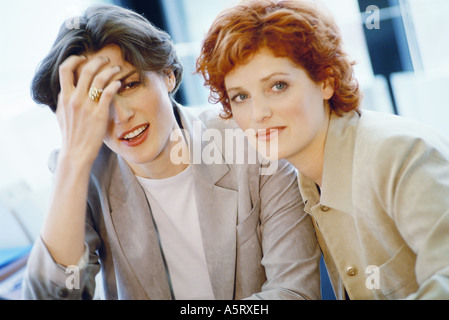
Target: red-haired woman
{"type": "Point", "coordinates": [376, 185]}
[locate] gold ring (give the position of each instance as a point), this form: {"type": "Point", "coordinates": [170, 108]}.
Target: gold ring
{"type": "Point", "coordinates": [95, 94]}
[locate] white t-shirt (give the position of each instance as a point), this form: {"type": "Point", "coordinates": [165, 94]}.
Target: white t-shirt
{"type": "Point", "coordinates": [173, 205]}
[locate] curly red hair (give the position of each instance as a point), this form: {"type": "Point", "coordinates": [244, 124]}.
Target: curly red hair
{"type": "Point", "coordinates": [300, 30]}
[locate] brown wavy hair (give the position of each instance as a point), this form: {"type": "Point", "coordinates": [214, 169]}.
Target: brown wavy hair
{"type": "Point", "coordinates": [142, 45]}
{"type": "Point", "coordinates": [300, 30]}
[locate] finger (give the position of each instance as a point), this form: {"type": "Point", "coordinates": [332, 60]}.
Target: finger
{"type": "Point", "coordinates": [88, 72]}
{"type": "Point", "coordinates": [105, 76]}
{"type": "Point", "coordinates": [67, 72]}
{"type": "Point", "coordinates": [108, 94]}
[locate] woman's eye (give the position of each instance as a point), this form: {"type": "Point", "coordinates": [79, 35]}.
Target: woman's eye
{"type": "Point", "coordinates": [239, 97]}
{"type": "Point", "coordinates": [279, 86]}
{"type": "Point", "coordinates": [129, 86]}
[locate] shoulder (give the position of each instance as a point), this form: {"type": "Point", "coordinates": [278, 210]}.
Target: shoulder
{"type": "Point", "coordinates": [212, 117]}
{"type": "Point", "coordinates": [391, 134]}
{"type": "Point", "coordinates": [103, 163]}
{"type": "Point", "coordinates": [390, 148]}
{"type": "Point", "coordinates": [214, 130]}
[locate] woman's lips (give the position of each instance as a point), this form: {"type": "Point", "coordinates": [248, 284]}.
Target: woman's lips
{"type": "Point", "coordinates": [268, 134]}
{"type": "Point", "coordinates": [135, 136]}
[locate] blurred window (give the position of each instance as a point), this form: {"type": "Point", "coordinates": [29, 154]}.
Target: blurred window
{"type": "Point", "coordinates": [428, 34]}
{"type": "Point", "coordinates": [28, 133]}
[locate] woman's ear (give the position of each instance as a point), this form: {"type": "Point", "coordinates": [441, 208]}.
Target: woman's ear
{"type": "Point", "coordinates": [328, 88]}
{"type": "Point", "coordinates": [171, 80]}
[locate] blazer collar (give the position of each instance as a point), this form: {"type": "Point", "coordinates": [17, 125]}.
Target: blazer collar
{"type": "Point", "coordinates": [133, 224]}
{"type": "Point", "coordinates": [336, 190]}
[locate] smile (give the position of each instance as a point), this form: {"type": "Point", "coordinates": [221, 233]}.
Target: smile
{"type": "Point", "coordinates": [135, 136]}
{"type": "Point", "coordinates": [268, 134]}
{"type": "Point", "coordinates": [136, 133]}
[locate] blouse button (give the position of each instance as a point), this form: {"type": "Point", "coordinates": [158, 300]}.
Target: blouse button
{"type": "Point", "coordinates": [324, 208]}
{"type": "Point", "coordinates": [351, 270]}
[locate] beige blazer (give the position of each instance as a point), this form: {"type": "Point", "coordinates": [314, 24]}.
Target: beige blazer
{"type": "Point", "coordinates": [382, 218]}
{"type": "Point", "coordinates": [258, 241]}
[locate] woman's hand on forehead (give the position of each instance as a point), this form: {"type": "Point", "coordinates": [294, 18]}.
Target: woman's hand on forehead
{"type": "Point", "coordinates": [87, 90]}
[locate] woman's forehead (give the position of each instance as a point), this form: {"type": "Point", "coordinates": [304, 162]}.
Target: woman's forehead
{"type": "Point", "coordinates": [115, 58]}
{"type": "Point", "coordinates": [113, 53]}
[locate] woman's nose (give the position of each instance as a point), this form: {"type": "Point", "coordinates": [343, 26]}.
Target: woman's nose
{"type": "Point", "coordinates": [261, 110]}
{"type": "Point", "coordinates": [120, 112]}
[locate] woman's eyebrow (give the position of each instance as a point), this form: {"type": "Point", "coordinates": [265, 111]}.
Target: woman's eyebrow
{"type": "Point", "coordinates": [265, 79]}
{"type": "Point", "coordinates": [126, 76]}
{"type": "Point", "coordinates": [230, 90]}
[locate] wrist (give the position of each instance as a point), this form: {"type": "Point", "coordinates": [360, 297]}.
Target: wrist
{"type": "Point", "coordinates": [75, 161]}
{"type": "Point", "coordinates": [72, 169]}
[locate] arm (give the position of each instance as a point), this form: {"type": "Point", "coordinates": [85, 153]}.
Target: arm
{"type": "Point", "coordinates": [423, 219]}
{"type": "Point", "coordinates": [420, 209]}
{"type": "Point", "coordinates": [290, 250]}
{"type": "Point", "coordinates": [45, 279]}
{"type": "Point", "coordinates": [83, 124]}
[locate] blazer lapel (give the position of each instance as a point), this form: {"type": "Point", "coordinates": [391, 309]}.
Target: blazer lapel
{"type": "Point", "coordinates": [217, 214]}
{"type": "Point", "coordinates": [217, 199]}
{"type": "Point", "coordinates": [136, 233]}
